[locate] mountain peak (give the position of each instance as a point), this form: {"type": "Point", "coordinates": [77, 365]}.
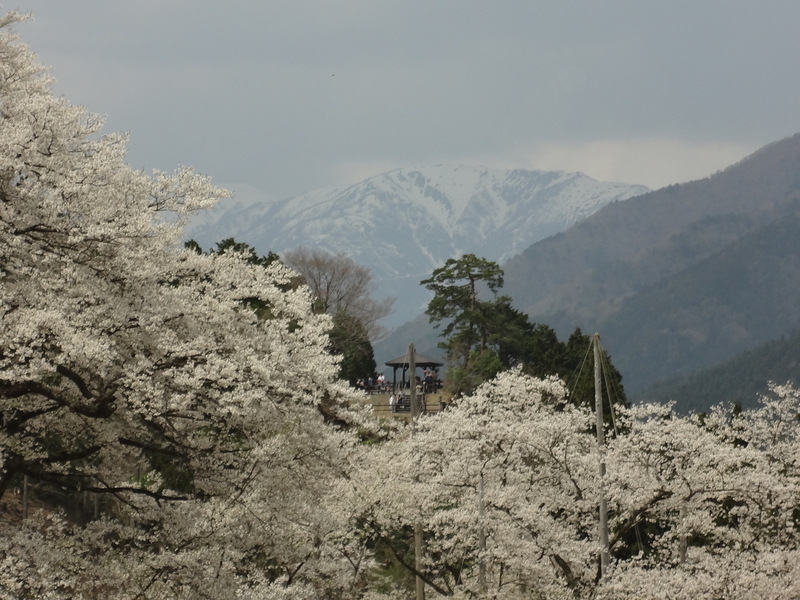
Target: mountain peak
{"type": "Point", "coordinates": [407, 222]}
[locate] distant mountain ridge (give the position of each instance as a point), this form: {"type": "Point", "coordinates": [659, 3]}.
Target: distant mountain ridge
{"type": "Point", "coordinates": [405, 223]}
{"type": "Point", "coordinates": [755, 187]}
{"type": "Point", "coordinates": [677, 279]}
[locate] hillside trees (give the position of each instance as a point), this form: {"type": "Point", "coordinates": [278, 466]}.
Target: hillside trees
{"type": "Point", "coordinates": [141, 374]}
{"type": "Point", "coordinates": [483, 337]}
{"type": "Point", "coordinates": [742, 379]}
{"type": "Point", "coordinates": [340, 286]}
{"type": "Point", "coordinates": [343, 289]}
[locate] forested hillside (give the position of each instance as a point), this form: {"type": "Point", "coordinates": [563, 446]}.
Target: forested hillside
{"type": "Point", "coordinates": [680, 278]}
{"type": "Point", "coordinates": [740, 380]}
{"type": "Point", "coordinates": [740, 297]}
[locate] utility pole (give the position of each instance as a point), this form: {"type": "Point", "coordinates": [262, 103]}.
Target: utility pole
{"type": "Point", "coordinates": [25, 497]}
{"type": "Point", "coordinates": [601, 451]}
{"type": "Point", "coordinates": [481, 538]}
{"type": "Point", "coordinates": [412, 383]}
{"type": "Point", "coordinates": [683, 541]}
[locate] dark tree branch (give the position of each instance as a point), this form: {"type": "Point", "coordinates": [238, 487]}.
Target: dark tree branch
{"type": "Point", "coordinates": [102, 410]}
{"type": "Point", "coordinates": [14, 423]}
{"type": "Point", "coordinates": [633, 518]}
{"type": "Point", "coordinates": [148, 448]}
{"type": "Point", "coordinates": [411, 569]}
{"type": "Point", "coordinates": [76, 379]}
{"type": "Point", "coordinates": [565, 569]}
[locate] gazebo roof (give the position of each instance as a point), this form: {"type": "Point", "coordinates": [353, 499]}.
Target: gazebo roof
{"type": "Point", "coordinates": [419, 361]}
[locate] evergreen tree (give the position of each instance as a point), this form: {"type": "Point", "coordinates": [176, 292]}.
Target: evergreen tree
{"type": "Point", "coordinates": [350, 340]}
{"type": "Point", "coordinates": [484, 337]}
{"type": "Point", "coordinates": [576, 366]}
{"type": "Point", "coordinates": [468, 319]}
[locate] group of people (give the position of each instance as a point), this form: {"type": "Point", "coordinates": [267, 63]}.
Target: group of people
{"type": "Point", "coordinates": [376, 384]}
{"type": "Point", "coordinates": [427, 385]}
{"type": "Point", "coordinates": [430, 383]}
{"type": "Point", "coordinates": [399, 403]}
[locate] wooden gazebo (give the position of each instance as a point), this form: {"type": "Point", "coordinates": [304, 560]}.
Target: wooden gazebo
{"type": "Point", "coordinates": [420, 361]}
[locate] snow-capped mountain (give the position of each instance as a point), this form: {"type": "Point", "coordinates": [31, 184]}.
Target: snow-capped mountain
{"type": "Point", "coordinates": [405, 223]}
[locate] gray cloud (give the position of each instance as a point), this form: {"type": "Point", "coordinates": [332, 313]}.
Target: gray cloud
{"type": "Point", "coordinates": [288, 96]}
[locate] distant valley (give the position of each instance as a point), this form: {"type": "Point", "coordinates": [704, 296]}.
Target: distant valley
{"type": "Point", "coordinates": [740, 380]}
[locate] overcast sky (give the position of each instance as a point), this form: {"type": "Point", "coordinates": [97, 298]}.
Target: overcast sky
{"type": "Point", "coordinates": [287, 96]}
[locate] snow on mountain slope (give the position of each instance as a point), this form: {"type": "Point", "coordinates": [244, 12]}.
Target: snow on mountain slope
{"type": "Point", "coordinates": [405, 223]}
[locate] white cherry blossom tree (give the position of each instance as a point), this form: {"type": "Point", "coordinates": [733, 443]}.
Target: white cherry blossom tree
{"type": "Point", "coordinates": [506, 486]}
{"type": "Point", "coordinates": [138, 374]}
